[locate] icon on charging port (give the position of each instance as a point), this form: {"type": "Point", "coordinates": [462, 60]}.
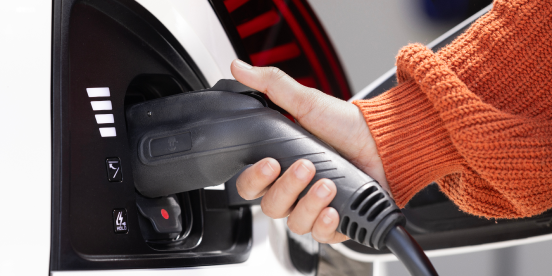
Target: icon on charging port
{"type": "Point", "coordinates": [114, 172]}
{"type": "Point", "coordinates": [120, 221]}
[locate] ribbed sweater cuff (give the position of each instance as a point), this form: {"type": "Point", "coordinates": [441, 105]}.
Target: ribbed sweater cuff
{"type": "Point", "coordinates": [411, 139]}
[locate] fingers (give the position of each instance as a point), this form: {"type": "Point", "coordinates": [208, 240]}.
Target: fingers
{"type": "Point", "coordinates": [311, 212]}
{"type": "Point", "coordinates": [255, 180]}
{"type": "Point", "coordinates": [279, 199]}
{"type": "Point", "coordinates": [303, 216]}
{"type": "Point", "coordinates": [324, 229]}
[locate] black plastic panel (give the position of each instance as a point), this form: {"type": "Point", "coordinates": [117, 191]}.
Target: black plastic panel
{"type": "Point", "coordinates": [119, 45]}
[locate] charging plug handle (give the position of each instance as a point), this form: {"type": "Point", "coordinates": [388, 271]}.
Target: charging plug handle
{"type": "Point", "coordinates": [199, 139]}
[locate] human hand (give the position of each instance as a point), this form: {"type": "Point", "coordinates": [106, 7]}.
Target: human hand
{"type": "Point", "coordinates": [338, 123]}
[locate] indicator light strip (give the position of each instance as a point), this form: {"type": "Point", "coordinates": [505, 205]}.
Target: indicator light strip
{"type": "Point", "coordinates": [98, 92]}
{"type": "Point", "coordinates": [259, 23]}
{"type": "Point", "coordinates": [94, 92]}
{"type": "Point", "coordinates": [276, 54]}
{"type": "Point", "coordinates": [105, 119]}
{"type": "Point", "coordinates": [101, 105]}
{"type": "Point", "coordinates": [108, 132]}
{"type": "Point", "coordinates": [232, 5]}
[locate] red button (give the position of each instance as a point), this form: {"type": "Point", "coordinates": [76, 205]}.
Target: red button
{"type": "Point", "coordinates": [165, 214]}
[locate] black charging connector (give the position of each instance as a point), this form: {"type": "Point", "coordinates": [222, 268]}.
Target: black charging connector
{"type": "Point", "coordinates": [198, 139]}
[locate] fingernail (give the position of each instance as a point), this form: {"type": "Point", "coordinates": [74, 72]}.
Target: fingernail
{"type": "Point", "coordinates": [302, 172]}
{"type": "Point", "coordinates": [243, 65]}
{"type": "Point", "coordinates": [267, 169]}
{"type": "Point", "coordinates": [327, 220]}
{"type": "Point", "coordinates": [323, 191]}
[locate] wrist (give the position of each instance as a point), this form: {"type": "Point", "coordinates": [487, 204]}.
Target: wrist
{"type": "Point", "coordinates": [410, 137]}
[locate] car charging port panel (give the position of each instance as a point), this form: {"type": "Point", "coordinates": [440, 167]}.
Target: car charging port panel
{"type": "Point", "coordinates": [115, 54]}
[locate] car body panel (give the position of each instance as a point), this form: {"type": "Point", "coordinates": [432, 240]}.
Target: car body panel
{"type": "Point", "coordinates": [196, 26]}
{"type": "Point", "coordinates": [25, 81]}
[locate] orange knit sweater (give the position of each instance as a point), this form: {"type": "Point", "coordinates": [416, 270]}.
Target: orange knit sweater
{"type": "Point", "coordinates": [476, 117]}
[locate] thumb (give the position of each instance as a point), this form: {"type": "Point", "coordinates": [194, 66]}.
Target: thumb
{"type": "Point", "coordinates": [280, 88]}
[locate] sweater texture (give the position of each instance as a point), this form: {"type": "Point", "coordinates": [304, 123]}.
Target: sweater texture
{"type": "Point", "coordinates": [475, 117]}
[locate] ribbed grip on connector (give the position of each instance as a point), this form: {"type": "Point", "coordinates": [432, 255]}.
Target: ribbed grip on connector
{"type": "Point", "coordinates": [368, 216]}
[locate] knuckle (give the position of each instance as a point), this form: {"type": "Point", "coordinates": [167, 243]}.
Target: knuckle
{"type": "Point", "coordinates": [251, 183]}
{"type": "Point", "coordinates": [288, 189]}
{"type": "Point", "coordinates": [295, 228]}
{"type": "Point", "coordinates": [291, 226]}
{"type": "Point", "coordinates": [310, 102]}
{"type": "Point", "coordinates": [311, 209]}
{"type": "Point", "coordinates": [244, 188]}
{"type": "Point", "coordinates": [270, 77]}
{"type": "Point", "coordinates": [323, 233]}
{"type": "Point", "coordinates": [275, 73]}
{"type": "Point", "coordinates": [242, 193]}
{"type": "Point", "coordinates": [280, 214]}
{"type": "Point", "coordinates": [269, 210]}
{"type": "Point", "coordinates": [320, 238]}
{"type": "Point", "coordinates": [290, 185]}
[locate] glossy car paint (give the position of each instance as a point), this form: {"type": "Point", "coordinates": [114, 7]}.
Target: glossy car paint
{"type": "Point", "coordinates": [196, 26]}
{"type": "Point", "coordinates": [25, 31]}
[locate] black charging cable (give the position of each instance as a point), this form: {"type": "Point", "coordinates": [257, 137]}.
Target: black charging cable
{"type": "Point", "coordinates": [409, 252]}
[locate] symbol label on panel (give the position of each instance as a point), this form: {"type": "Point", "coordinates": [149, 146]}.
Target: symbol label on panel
{"type": "Point", "coordinates": [113, 168]}
{"type": "Point", "coordinates": [114, 173]}
{"type": "Point", "coordinates": [120, 221]}
{"type": "Point", "coordinates": [172, 143]}
{"type": "Point", "coordinates": [120, 224]}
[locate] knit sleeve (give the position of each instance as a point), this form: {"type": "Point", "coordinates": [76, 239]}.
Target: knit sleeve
{"type": "Point", "coordinates": [475, 117]}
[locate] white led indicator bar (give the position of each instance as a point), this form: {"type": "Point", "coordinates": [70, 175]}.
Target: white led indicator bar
{"type": "Point", "coordinates": [105, 118]}
{"type": "Point", "coordinates": [98, 92]}
{"type": "Point", "coordinates": [101, 105]}
{"type": "Point", "coordinates": [94, 92]}
{"type": "Point", "coordinates": [108, 132]}
{"type": "Point", "coordinates": [218, 187]}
